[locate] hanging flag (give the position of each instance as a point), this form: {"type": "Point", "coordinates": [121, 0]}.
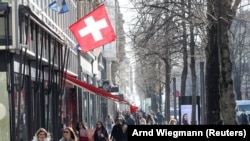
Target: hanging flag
{"type": "Point", "coordinates": [53, 6]}
{"type": "Point", "coordinates": [133, 109]}
{"type": "Point", "coordinates": [60, 7]}
{"type": "Point", "coordinates": [64, 7]}
{"type": "Point", "coordinates": [93, 30]}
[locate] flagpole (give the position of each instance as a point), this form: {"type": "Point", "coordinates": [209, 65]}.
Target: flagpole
{"type": "Point", "coordinates": [74, 3]}
{"type": "Point", "coordinates": [45, 7]}
{"type": "Point", "coordinates": [60, 32]}
{"type": "Point", "coordinates": [78, 68]}
{"type": "Point", "coordinates": [101, 3]}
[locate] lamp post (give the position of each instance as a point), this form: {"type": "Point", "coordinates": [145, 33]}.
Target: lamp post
{"type": "Point", "coordinates": [246, 93]}
{"type": "Point", "coordinates": [202, 89]}
{"type": "Point", "coordinates": [175, 94]}
{"type": "Point", "coordinates": [159, 92]}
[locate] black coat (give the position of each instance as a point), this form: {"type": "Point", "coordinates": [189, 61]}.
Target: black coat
{"type": "Point", "coordinates": [125, 135]}
{"type": "Point", "coordinates": [117, 133]}
{"type": "Point", "coordinates": [97, 136]}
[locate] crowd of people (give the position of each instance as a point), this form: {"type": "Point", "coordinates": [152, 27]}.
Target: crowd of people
{"type": "Point", "coordinates": [142, 118]}
{"type": "Point", "coordinates": [114, 128]}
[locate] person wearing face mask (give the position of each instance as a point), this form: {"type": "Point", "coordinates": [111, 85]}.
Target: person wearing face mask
{"type": "Point", "coordinates": [124, 131]}
{"type": "Point", "coordinates": [41, 135]}
{"type": "Point", "coordinates": [82, 132]}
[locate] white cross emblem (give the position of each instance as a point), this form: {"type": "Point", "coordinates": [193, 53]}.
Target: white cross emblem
{"type": "Point", "coordinates": [93, 27]}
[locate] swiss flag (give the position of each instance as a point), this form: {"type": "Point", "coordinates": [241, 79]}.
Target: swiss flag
{"type": "Point", "coordinates": [93, 30]}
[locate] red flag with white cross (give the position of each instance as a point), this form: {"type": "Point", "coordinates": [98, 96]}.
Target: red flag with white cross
{"type": "Point", "coordinates": [93, 30]}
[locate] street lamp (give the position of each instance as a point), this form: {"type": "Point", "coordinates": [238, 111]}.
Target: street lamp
{"type": "Point", "coordinates": [175, 95]}
{"type": "Point", "coordinates": [202, 89]}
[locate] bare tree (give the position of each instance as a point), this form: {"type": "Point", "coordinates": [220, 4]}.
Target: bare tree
{"type": "Point", "coordinates": [158, 37]}
{"type": "Point", "coordinates": [184, 49]}
{"type": "Point", "coordinates": [239, 47]}
{"type": "Point", "coordinates": [158, 34]}
{"type": "Point", "coordinates": [192, 64]}
{"type": "Point", "coordinates": [155, 36]}
{"type": "Point", "coordinates": [219, 83]}
{"type": "Point", "coordinates": [147, 81]}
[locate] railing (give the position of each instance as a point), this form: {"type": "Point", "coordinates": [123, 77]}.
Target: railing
{"type": "Point", "coordinates": [46, 17]}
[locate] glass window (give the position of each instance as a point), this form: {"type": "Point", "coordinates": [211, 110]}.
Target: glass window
{"type": "Point", "coordinates": [4, 109]}
{"type": "Point", "coordinates": [20, 107]}
{"type": "Point", "coordinates": [91, 111]}
{"type": "Point", "coordinates": [245, 107]}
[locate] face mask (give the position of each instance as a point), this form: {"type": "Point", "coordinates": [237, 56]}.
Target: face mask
{"type": "Point", "coordinates": [125, 126]}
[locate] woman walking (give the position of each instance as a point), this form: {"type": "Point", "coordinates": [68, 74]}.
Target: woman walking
{"type": "Point", "coordinates": [82, 132]}
{"type": "Point", "coordinates": [69, 135]}
{"type": "Point", "coordinates": [100, 133]}
{"type": "Point", "coordinates": [41, 135]}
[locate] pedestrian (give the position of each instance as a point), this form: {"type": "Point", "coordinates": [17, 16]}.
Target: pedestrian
{"type": "Point", "coordinates": [160, 118]}
{"type": "Point", "coordinates": [120, 116]}
{"type": "Point", "coordinates": [172, 122]}
{"type": "Point", "coordinates": [150, 119]}
{"type": "Point", "coordinates": [142, 120]}
{"type": "Point", "coordinates": [41, 135]}
{"type": "Point", "coordinates": [100, 133]}
{"type": "Point", "coordinates": [125, 131]}
{"type": "Point", "coordinates": [69, 135]}
{"type": "Point", "coordinates": [116, 133]}
{"type": "Point", "coordinates": [130, 120]}
{"type": "Point", "coordinates": [109, 122]}
{"type": "Point", "coordinates": [185, 119]}
{"type": "Point", "coordinates": [82, 132]}
{"type": "Point", "coordinates": [244, 118]}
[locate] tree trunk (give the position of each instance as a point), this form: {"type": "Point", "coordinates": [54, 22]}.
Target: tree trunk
{"type": "Point", "coordinates": [212, 69]}
{"type": "Point", "coordinates": [237, 83]}
{"type": "Point", "coordinates": [192, 64]}
{"type": "Point", "coordinates": [227, 95]}
{"type": "Point", "coordinates": [185, 53]}
{"type": "Point", "coordinates": [220, 16]}
{"type": "Point", "coordinates": [167, 89]}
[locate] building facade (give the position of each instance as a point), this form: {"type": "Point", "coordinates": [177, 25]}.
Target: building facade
{"type": "Point", "coordinates": [45, 81]}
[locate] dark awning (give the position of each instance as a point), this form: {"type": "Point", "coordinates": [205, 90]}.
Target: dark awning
{"type": "Point", "coordinates": [93, 89]}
